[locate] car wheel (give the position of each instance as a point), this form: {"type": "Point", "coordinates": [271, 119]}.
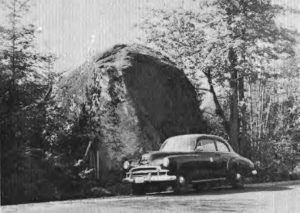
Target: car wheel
{"type": "Point", "coordinates": [138, 189]}
{"type": "Point", "coordinates": [238, 181]}
{"type": "Point", "coordinates": [181, 185]}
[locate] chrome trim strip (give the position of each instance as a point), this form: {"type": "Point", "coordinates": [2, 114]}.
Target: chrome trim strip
{"type": "Point", "coordinates": [147, 171]}
{"type": "Point", "coordinates": [149, 179]}
{"type": "Point", "coordinates": [208, 180]}
{"type": "Point", "coordinates": [146, 167]}
{"type": "Point", "coordinates": [143, 172]}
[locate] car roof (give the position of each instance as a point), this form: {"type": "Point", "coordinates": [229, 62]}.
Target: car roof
{"type": "Point", "coordinates": [196, 136]}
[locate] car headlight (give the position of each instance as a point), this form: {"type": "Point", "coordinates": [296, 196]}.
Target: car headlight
{"type": "Point", "coordinates": [166, 162]}
{"type": "Point", "coordinates": [126, 165]}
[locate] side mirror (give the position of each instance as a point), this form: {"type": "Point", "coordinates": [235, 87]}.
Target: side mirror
{"type": "Point", "coordinates": [199, 149]}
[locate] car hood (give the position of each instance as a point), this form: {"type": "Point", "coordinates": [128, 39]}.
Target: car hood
{"type": "Point", "coordinates": [156, 157]}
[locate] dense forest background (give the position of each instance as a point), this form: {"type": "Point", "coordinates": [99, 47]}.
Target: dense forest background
{"type": "Point", "coordinates": [250, 64]}
{"type": "Point", "coordinates": [240, 60]}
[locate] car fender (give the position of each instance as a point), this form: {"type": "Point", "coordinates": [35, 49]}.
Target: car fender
{"type": "Point", "coordinates": [177, 163]}
{"type": "Point", "coordinates": [240, 164]}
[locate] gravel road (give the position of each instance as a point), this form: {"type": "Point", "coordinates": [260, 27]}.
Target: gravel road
{"type": "Point", "coordinates": [255, 198]}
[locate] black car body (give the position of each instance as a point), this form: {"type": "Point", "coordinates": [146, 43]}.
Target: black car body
{"type": "Point", "coordinates": [188, 160]}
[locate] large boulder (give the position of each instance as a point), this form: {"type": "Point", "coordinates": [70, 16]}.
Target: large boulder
{"type": "Point", "coordinates": [138, 97]}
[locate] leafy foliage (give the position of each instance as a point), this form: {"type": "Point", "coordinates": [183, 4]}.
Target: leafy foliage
{"type": "Point", "coordinates": [238, 46]}
{"type": "Point", "coordinates": [220, 37]}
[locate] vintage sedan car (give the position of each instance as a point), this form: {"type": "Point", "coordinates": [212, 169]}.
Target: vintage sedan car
{"type": "Point", "coordinates": [188, 160]}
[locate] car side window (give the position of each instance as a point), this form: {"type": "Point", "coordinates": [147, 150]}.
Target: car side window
{"type": "Point", "coordinates": [207, 145]}
{"type": "Point", "coordinates": [222, 147]}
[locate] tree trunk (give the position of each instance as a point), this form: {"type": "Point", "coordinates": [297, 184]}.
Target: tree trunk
{"type": "Point", "coordinates": [234, 111]}
{"type": "Point", "coordinates": [219, 111]}
{"type": "Point", "coordinates": [243, 122]}
{"type": "Point", "coordinates": [251, 108]}
{"type": "Point", "coordinates": [234, 114]}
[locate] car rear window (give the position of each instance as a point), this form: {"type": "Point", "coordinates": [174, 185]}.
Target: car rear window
{"type": "Point", "coordinates": [221, 147]}
{"type": "Point", "coordinates": [207, 145]}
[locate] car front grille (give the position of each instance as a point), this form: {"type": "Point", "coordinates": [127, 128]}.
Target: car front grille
{"type": "Point", "coordinates": [142, 171]}
{"type": "Point", "coordinates": [145, 168]}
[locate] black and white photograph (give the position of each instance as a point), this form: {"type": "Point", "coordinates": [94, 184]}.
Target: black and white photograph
{"type": "Point", "coordinates": [150, 106]}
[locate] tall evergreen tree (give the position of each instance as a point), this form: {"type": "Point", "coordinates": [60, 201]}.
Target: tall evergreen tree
{"type": "Point", "coordinates": [23, 89]}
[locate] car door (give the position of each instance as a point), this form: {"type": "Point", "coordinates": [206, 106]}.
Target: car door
{"type": "Point", "coordinates": [222, 157]}
{"type": "Point", "coordinates": [206, 150]}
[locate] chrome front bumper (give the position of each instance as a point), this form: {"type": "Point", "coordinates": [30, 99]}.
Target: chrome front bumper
{"type": "Point", "coordinates": [148, 174]}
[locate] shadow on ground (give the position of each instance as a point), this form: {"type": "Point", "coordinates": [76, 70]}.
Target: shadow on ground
{"type": "Point", "coordinates": [224, 190]}
{"type": "Point", "coordinates": [218, 199]}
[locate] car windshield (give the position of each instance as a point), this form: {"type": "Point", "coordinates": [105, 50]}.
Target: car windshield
{"type": "Point", "coordinates": [179, 144]}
